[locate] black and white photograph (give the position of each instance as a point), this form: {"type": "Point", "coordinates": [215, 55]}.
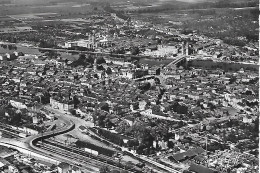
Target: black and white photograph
{"type": "Point", "coordinates": [129, 86]}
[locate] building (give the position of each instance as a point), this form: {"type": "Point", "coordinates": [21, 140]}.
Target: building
{"type": "Point", "coordinates": [154, 71]}
{"type": "Point", "coordinates": [71, 44]}
{"type": "Point", "coordinates": [64, 105]}
{"type": "Point", "coordinates": [35, 120]}
{"type": "Point", "coordinates": [105, 42]}
{"type": "Point", "coordinates": [91, 43]}
{"type": "Point", "coordinates": [128, 74]}
{"type": "Point", "coordinates": [18, 103]}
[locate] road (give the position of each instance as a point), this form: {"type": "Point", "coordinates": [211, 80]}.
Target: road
{"type": "Point", "coordinates": [75, 132]}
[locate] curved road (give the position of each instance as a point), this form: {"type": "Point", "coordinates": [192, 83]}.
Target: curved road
{"type": "Point", "coordinates": [69, 125]}
{"type": "Point", "coordinates": [32, 140]}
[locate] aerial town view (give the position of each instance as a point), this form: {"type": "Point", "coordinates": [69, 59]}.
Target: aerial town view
{"type": "Point", "coordinates": [129, 86]}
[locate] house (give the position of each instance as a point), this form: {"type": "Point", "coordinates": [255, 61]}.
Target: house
{"type": "Point", "coordinates": [130, 120]}
{"type": "Point", "coordinates": [142, 105]}
{"type": "Point", "coordinates": [63, 167]}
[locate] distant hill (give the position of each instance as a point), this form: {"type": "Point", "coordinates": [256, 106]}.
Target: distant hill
{"type": "Point", "coordinates": [29, 2]}
{"type": "Point", "coordinates": [169, 5]}
{"type": "Point", "coordinates": [45, 2]}
{"type": "Point", "coordinates": [5, 2]}
{"type": "Point", "coordinates": [173, 2]}
{"type": "Point", "coordinates": [199, 1]}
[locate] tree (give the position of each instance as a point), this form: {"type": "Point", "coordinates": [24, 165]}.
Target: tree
{"type": "Point", "coordinates": [53, 166]}
{"type": "Point", "coordinates": [147, 138]}
{"type": "Point", "coordinates": [156, 110]}
{"type": "Point", "coordinates": [82, 56]}
{"type": "Point", "coordinates": [16, 119]}
{"type": "Point", "coordinates": [83, 60]}
{"type": "Point", "coordinates": [104, 169]}
{"type": "Point", "coordinates": [20, 54]}
{"type": "Point", "coordinates": [76, 100]}
{"type": "Point", "coordinates": [119, 51]}
{"type": "Point", "coordinates": [13, 56]}
{"type": "Point", "coordinates": [108, 71]}
{"type": "Point", "coordinates": [72, 111]}
{"type": "Point", "coordinates": [101, 60]}
{"type": "Point", "coordinates": [135, 50]}
{"type": "Point", "coordinates": [132, 143]}
{"type": "Point", "coordinates": [2, 112]}
{"type": "Point", "coordinates": [145, 86]}
{"type": "Point", "coordinates": [115, 171]}
{"type": "Point", "coordinates": [104, 106]}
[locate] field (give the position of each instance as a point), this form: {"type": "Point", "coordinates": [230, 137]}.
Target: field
{"type": "Point", "coordinates": [15, 10]}
{"type": "Point", "coordinates": [63, 8]}
{"type": "Point", "coordinates": [31, 16]}
{"type": "Point", "coordinates": [236, 26]}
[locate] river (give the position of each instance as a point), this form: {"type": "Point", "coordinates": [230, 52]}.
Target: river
{"type": "Point", "coordinates": [35, 51]}
{"type": "Point", "coordinates": [25, 50]}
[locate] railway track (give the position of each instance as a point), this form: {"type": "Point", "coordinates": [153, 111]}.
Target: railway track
{"type": "Point", "coordinates": [9, 130]}
{"type": "Point", "coordinates": [58, 149]}
{"type": "Point", "coordinates": [80, 154]}
{"type": "Point", "coordinates": [11, 134]}
{"type": "Point", "coordinates": [69, 155]}
{"type": "Point", "coordinates": [55, 143]}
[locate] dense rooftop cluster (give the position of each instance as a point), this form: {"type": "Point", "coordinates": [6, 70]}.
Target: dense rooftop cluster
{"type": "Point", "coordinates": [198, 114]}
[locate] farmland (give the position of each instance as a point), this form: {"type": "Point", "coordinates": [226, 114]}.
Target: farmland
{"type": "Point", "coordinates": [236, 26]}
{"type": "Point", "coordinates": [68, 8]}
